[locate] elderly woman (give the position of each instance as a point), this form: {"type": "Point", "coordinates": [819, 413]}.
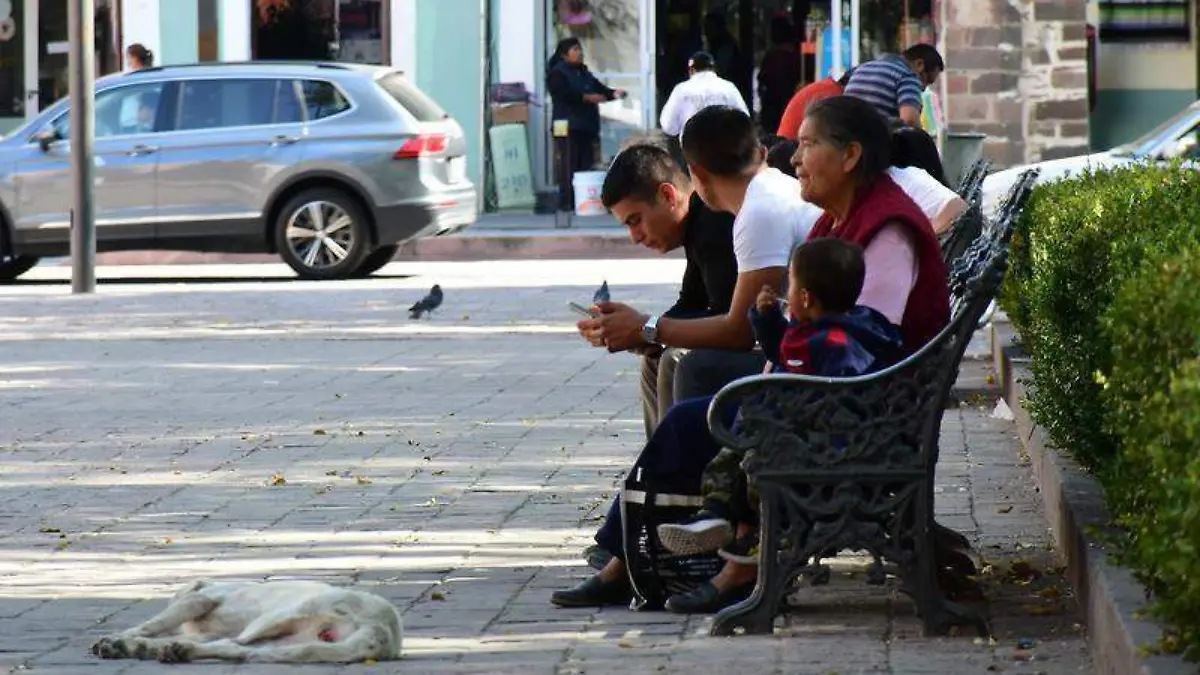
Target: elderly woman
{"type": "Point", "coordinates": [843, 161]}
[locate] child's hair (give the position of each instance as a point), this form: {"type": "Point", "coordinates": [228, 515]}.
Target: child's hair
{"type": "Point", "coordinates": [833, 272]}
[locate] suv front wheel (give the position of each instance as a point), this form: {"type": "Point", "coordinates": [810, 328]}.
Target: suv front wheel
{"type": "Point", "coordinates": [13, 266]}
{"type": "Point", "coordinates": [322, 233]}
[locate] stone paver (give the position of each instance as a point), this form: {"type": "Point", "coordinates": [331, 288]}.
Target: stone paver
{"type": "Point", "coordinates": [207, 424]}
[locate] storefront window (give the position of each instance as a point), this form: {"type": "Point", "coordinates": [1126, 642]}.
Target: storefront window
{"type": "Point", "coordinates": [321, 30]}
{"type": "Point", "coordinates": [610, 33]}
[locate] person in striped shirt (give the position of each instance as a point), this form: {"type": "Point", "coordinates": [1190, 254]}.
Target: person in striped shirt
{"type": "Point", "coordinates": [893, 83]}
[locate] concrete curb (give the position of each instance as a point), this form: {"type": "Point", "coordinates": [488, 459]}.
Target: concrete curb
{"type": "Point", "coordinates": [560, 244]}
{"type": "Point", "coordinates": [1075, 508]}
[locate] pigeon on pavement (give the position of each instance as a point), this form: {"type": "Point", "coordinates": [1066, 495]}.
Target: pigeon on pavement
{"type": "Point", "coordinates": [427, 304]}
{"type": "Point", "coordinates": [601, 294]}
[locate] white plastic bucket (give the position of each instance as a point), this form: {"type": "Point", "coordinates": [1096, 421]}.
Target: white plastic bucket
{"type": "Point", "coordinates": [587, 186]}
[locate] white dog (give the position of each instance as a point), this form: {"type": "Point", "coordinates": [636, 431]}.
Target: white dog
{"type": "Point", "coordinates": [272, 622]}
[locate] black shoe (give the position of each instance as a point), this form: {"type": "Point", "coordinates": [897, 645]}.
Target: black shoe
{"type": "Point", "coordinates": [597, 556]}
{"type": "Point", "coordinates": [595, 593]}
{"type": "Point", "coordinates": [743, 550]}
{"type": "Point", "coordinates": [707, 599]}
{"type": "Point", "coordinates": [701, 533]}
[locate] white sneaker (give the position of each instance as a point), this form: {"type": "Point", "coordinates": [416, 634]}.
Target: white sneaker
{"type": "Point", "coordinates": [698, 536]}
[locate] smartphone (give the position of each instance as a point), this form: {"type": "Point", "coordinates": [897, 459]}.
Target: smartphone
{"type": "Point", "coordinates": [580, 309]}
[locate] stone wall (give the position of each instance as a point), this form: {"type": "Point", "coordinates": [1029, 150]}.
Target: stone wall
{"type": "Point", "coordinates": [1016, 70]}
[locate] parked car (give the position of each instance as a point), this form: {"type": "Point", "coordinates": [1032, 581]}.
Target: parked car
{"type": "Point", "coordinates": [330, 165]}
{"type": "Point", "coordinates": [1177, 138]}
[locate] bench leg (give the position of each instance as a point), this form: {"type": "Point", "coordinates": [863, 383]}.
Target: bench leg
{"type": "Point", "coordinates": [937, 613]}
{"type": "Point", "coordinates": [756, 615]}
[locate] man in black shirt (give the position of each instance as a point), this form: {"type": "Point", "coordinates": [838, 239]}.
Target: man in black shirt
{"type": "Point", "coordinates": [649, 194]}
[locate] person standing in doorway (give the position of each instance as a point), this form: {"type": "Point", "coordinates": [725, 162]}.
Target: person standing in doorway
{"type": "Point", "coordinates": [576, 96]}
{"type": "Point", "coordinates": [138, 57]}
{"type": "Point", "coordinates": [702, 89]}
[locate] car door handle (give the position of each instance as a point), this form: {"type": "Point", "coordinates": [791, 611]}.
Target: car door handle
{"type": "Point", "coordinates": [283, 140]}
{"type": "Point", "coordinates": [139, 150]}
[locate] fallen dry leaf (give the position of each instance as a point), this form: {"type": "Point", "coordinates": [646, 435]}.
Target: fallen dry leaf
{"type": "Point", "coordinates": [439, 472]}
{"type": "Point", "coordinates": [50, 530]}
{"type": "Point", "coordinates": [331, 472]}
{"type": "Point", "coordinates": [277, 479]}
{"type": "Point", "coordinates": [437, 595]}
{"type": "Point", "coordinates": [362, 480]}
{"type": "Point", "coordinates": [318, 432]}
{"type": "Point", "coordinates": [1005, 509]}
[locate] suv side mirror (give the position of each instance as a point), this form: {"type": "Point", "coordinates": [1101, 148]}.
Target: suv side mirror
{"type": "Point", "coordinates": [47, 138]}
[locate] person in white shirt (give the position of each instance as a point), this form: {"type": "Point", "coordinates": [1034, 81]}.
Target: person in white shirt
{"type": "Point", "coordinates": [702, 89]}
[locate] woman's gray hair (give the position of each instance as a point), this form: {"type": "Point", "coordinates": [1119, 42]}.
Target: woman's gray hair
{"type": "Point", "coordinates": [843, 120]}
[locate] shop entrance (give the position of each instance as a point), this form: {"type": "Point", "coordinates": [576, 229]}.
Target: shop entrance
{"type": "Point", "coordinates": [34, 52]}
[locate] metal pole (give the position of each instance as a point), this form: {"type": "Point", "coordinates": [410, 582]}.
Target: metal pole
{"type": "Point", "coordinates": [81, 31]}
{"type": "Point", "coordinates": [836, 66]}
{"type": "Point", "coordinates": [855, 30]}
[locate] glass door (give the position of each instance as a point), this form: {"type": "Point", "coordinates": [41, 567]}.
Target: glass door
{"type": "Point", "coordinates": [618, 39]}
{"type": "Point", "coordinates": [17, 58]}
{"type": "Point", "coordinates": [44, 53]}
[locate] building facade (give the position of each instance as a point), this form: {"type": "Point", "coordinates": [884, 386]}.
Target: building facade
{"type": "Point", "coordinates": [435, 42]}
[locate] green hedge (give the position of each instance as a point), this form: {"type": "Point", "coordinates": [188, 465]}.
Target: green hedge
{"type": "Point", "coordinates": [1104, 292]}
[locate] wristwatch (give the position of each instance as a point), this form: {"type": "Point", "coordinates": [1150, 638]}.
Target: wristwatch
{"type": "Point", "coordinates": [650, 330]}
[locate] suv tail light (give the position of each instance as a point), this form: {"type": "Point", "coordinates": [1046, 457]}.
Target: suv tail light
{"type": "Point", "coordinates": [423, 145]}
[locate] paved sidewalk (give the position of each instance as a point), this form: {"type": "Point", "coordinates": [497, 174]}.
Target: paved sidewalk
{"type": "Point", "coordinates": [214, 425]}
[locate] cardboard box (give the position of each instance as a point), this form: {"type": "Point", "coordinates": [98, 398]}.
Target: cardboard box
{"type": "Point", "coordinates": [510, 113]}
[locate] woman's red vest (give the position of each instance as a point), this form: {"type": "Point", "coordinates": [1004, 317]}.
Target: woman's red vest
{"type": "Point", "coordinates": [927, 310]}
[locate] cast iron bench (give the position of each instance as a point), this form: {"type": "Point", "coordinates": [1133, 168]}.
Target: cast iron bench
{"type": "Point", "coordinates": [848, 464]}
{"type": "Point", "coordinates": [966, 227]}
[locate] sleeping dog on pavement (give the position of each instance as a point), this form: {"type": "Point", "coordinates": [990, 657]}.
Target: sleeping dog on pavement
{"type": "Point", "coordinates": [265, 622]}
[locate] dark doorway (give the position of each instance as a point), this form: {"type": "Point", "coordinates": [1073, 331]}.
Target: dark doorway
{"type": "Point", "coordinates": [296, 30]}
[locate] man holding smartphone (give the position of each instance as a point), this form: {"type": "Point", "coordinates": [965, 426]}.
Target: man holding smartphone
{"type": "Point", "coordinates": [649, 194]}
{"type": "Point", "coordinates": [729, 172]}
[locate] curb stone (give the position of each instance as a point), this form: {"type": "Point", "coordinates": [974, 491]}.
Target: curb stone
{"type": "Point", "coordinates": [1074, 504]}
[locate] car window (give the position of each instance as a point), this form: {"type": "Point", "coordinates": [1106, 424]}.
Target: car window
{"type": "Point", "coordinates": [322, 99]}
{"type": "Point", "coordinates": [215, 104]}
{"type": "Point", "coordinates": [414, 100]}
{"type": "Point", "coordinates": [122, 111]}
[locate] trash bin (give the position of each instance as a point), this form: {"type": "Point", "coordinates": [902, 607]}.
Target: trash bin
{"type": "Point", "coordinates": [959, 152]}
{"type": "Point", "coordinates": [587, 186]}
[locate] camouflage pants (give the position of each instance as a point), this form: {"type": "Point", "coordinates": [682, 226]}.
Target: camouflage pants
{"type": "Point", "coordinates": [726, 491]}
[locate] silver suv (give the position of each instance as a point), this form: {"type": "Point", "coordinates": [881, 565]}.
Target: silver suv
{"type": "Point", "coordinates": [330, 165]}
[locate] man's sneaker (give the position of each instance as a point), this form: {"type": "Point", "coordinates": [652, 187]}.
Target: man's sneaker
{"type": "Point", "coordinates": [701, 533]}
{"type": "Point", "coordinates": [743, 550]}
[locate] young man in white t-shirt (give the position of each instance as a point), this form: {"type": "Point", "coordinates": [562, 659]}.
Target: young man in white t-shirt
{"type": "Point", "coordinates": [728, 171]}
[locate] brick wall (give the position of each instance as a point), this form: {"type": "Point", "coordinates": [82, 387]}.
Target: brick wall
{"type": "Point", "coordinates": [1017, 71]}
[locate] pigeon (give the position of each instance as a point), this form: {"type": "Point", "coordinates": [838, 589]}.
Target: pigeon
{"type": "Point", "coordinates": [427, 304]}
{"type": "Point", "coordinates": [601, 294]}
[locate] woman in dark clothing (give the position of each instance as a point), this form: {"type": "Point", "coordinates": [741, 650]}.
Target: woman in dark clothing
{"type": "Point", "coordinates": [779, 74]}
{"type": "Point", "coordinates": [576, 95]}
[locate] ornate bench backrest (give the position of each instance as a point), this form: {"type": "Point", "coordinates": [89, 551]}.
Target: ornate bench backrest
{"type": "Point", "coordinates": [887, 421]}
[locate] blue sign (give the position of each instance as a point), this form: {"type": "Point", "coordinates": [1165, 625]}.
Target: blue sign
{"type": "Point", "coordinates": [827, 50]}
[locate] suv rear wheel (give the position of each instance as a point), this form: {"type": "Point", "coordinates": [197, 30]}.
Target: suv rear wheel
{"type": "Point", "coordinates": [322, 233]}
{"type": "Point", "coordinates": [376, 260]}
{"type": "Point", "coordinates": [13, 266]}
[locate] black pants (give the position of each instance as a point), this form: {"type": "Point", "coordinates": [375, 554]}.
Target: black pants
{"type": "Point", "coordinates": [576, 152]}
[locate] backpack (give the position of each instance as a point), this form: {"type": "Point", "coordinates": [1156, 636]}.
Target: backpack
{"type": "Point", "coordinates": [654, 572]}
